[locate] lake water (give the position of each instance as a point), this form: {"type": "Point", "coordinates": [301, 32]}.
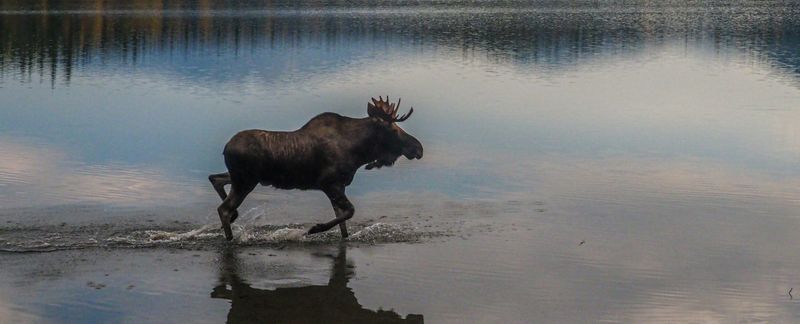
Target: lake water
{"type": "Point", "coordinates": [625, 161]}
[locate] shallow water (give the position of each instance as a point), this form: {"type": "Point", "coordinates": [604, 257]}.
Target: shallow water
{"type": "Point", "coordinates": [621, 162]}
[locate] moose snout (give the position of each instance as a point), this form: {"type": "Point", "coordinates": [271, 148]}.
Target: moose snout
{"type": "Point", "coordinates": [413, 152]}
{"type": "Point", "coordinates": [418, 153]}
{"type": "Point", "coordinates": [412, 148]}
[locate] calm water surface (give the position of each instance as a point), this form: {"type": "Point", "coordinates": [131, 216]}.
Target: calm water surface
{"type": "Point", "coordinates": [584, 162]}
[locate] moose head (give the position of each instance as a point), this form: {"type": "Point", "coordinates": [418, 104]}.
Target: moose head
{"type": "Point", "coordinates": [394, 140]}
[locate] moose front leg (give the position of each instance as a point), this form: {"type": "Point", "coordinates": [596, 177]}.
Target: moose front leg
{"type": "Point", "coordinates": [341, 206]}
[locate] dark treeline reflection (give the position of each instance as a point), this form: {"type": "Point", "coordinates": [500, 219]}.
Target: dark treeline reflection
{"type": "Point", "coordinates": [53, 38]}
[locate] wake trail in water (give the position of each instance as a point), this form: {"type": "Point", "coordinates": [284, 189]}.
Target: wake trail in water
{"type": "Point", "coordinates": [205, 236]}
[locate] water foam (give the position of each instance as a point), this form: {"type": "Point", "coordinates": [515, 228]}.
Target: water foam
{"type": "Point", "coordinates": [375, 233]}
{"type": "Point", "coordinates": [155, 237]}
{"type": "Point", "coordinates": [384, 233]}
{"type": "Point", "coordinates": [270, 234]}
{"type": "Point", "coordinates": [204, 236]}
{"type": "Point", "coordinates": [277, 236]}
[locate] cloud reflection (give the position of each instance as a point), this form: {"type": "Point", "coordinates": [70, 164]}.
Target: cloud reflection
{"type": "Point", "coordinates": [9, 313]}
{"type": "Point", "coordinates": [35, 174]}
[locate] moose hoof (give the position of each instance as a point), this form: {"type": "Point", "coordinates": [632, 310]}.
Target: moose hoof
{"type": "Point", "coordinates": [316, 229]}
{"type": "Point", "coordinates": [228, 233]}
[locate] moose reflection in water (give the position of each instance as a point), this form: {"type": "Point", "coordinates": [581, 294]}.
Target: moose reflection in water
{"type": "Point", "coordinates": [323, 155]}
{"type": "Point", "coordinates": [332, 303]}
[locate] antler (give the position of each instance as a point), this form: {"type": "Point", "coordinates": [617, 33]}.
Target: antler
{"type": "Point", "coordinates": [386, 110]}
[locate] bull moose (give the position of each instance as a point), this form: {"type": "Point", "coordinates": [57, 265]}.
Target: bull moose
{"type": "Point", "coordinates": [323, 155]}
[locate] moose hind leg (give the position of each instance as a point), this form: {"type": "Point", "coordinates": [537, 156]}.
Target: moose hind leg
{"type": "Point", "coordinates": [342, 207]}
{"type": "Point", "coordinates": [218, 181]}
{"type": "Point", "coordinates": [227, 210]}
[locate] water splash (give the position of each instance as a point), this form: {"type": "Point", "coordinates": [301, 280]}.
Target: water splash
{"type": "Point", "coordinates": [375, 233]}
{"type": "Point", "coordinates": [280, 235]}
{"type": "Point", "coordinates": [155, 237]}
{"type": "Point", "coordinates": [271, 234]}
{"type": "Point", "coordinates": [206, 236]}
{"type": "Point", "coordinates": [386, 233]}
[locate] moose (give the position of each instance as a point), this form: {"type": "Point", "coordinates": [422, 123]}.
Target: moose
{"type": "Point", "coordinates": [323, 155]}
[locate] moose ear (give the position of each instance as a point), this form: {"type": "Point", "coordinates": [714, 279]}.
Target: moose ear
{"type": "Point", "coordinates": [371, 110]}
{"type": "Point", "coordinates": [374, 111]}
